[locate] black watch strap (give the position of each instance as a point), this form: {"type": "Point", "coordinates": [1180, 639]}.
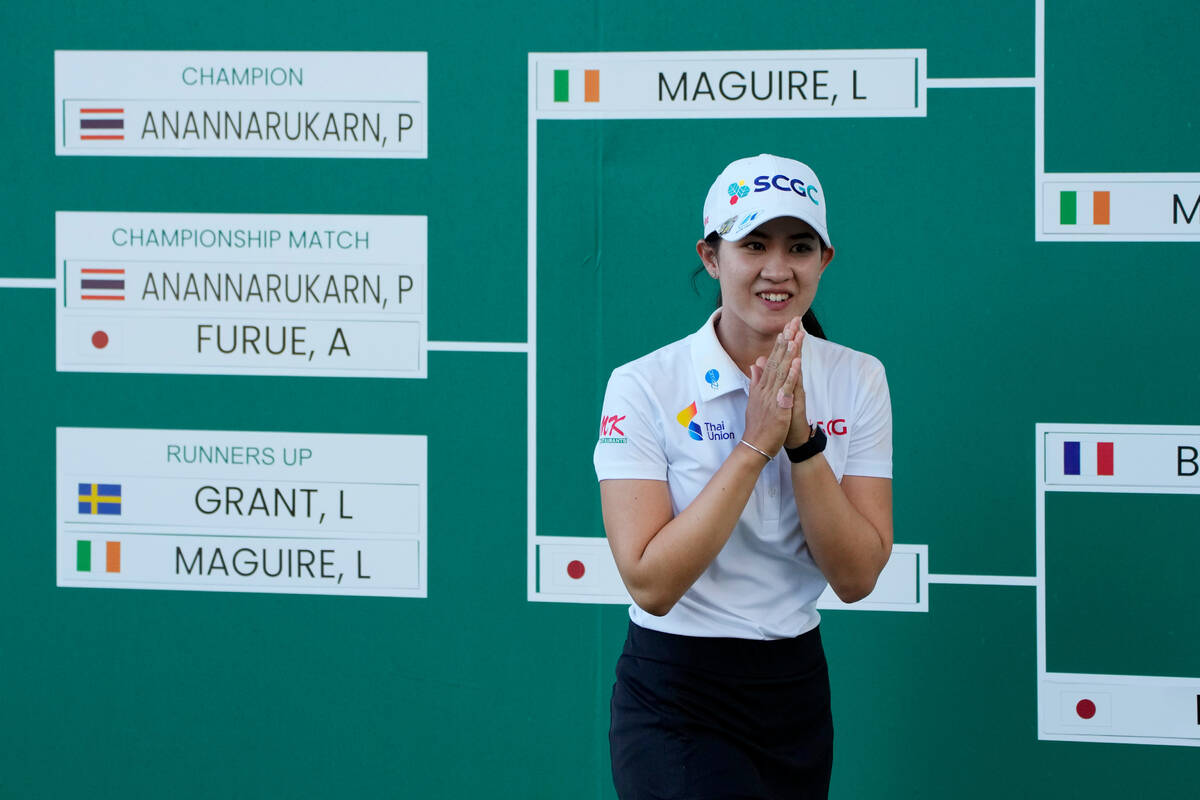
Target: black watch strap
{"type": "Point", "coordinates": [814, 445]}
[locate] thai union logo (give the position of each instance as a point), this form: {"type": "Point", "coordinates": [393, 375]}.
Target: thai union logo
{"type": "Point", "coordinates": [685, 419]}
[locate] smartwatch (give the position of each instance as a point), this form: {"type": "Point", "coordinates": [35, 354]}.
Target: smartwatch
{"type": "Point", "coordinates": [814, 445]}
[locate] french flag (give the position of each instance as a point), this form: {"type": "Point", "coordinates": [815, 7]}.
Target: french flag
{"type": "Point", "coordinates": [1071, 459]}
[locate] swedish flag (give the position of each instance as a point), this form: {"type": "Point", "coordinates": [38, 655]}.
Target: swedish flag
{"type": "Point", "coordinates": [99, 498]}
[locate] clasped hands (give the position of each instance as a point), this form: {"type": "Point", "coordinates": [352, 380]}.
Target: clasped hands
{"type": "Point", "coordinates": [776, 414]}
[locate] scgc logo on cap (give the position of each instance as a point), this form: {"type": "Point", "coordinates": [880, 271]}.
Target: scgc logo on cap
{"type": "Point", "coordinates": [782, 182]}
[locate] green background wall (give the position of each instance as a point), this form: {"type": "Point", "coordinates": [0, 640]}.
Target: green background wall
{"type": "Point", "coordinates": [476, 692]}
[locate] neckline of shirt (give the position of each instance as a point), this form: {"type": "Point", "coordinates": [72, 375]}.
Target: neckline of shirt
{"type": "Point", "coordinates": [708, 355]}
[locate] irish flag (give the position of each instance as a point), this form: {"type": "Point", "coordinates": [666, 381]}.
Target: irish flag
{"type": "Point", "coordinates": [576, 84]}
{"type": "Point", "coordinates": [84, 557]}
{"type": "Point", "coordinates": [1083, 208]}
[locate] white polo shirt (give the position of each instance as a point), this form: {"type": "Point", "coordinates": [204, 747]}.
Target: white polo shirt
{"type": "Point", "coordinates": [676, 414]}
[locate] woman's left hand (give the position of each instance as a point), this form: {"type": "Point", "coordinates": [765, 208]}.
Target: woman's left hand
{"type": "Point", "coordinates": [800, 431]}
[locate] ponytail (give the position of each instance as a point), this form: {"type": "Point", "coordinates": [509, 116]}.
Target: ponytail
{"type": "Point", "coordinates": [809, 321]}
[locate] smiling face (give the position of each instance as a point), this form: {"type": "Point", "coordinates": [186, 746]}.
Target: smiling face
{"type": "Point", "coordinates": [767, 277]}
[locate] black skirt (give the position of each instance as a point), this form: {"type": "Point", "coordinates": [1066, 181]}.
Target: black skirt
{"type": "Point", "coordinates": [706, 718]}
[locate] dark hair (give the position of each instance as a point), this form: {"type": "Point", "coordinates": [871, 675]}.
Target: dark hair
{"type": "Point", "coordinates": [809, 320]}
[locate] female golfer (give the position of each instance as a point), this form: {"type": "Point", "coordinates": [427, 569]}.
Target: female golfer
{"type": "Point", "coordinates": [741, 469]}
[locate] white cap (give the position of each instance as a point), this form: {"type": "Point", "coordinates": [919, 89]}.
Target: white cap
{"type": "Point", "coordinates": [751, 191]}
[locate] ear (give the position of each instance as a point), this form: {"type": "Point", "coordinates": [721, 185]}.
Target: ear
{"type": "Point", "coordinates": [826, 257]}
{"type": "Point", "coordinates": [708, 257]}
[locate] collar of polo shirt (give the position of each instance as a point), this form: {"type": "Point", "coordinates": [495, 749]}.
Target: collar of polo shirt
{"type": "Point", "coordinates": [708, 354]}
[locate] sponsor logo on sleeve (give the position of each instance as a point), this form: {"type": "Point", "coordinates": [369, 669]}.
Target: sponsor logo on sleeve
{"type": "Point", "coordinates": [610, 431]}
{"type": "Point", "coordinates": [833, 427]}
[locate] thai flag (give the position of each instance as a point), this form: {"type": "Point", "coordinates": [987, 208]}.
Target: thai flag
{"type": "Point", "coordinates": [101, 284]}
{"type": "Point", "coordinates": [103, 124]}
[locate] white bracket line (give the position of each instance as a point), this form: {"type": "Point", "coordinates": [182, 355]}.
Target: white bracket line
{"type": "Point", "coordinates": [478, 347]}
{"type": "Point", "coordinates": [985, 580]}
{"type": "Point", "coordinates": [1039, 110]}
{"type": "Point", "coordinates": [531, 209]}
{"type": "Point", "coordinates": [27, 283]}
{"type": "Point", "coordinates": [981, 83]}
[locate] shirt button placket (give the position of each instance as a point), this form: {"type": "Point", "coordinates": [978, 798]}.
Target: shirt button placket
{"type": "Point", "coordinates": [771, 506]}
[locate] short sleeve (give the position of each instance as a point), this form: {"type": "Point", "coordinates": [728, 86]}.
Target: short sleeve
{"type": "Point", "coordinates": [870, 447]}
{"type": "Point", "coordinates": [629, 444]}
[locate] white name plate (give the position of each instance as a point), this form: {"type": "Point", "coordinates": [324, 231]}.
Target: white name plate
{"type": "Point", "coordinates": [306, 513]}
{"type": "Point", "coordinates": [241, 294]}
{"type": "Point", "coordinates": [229, 103]}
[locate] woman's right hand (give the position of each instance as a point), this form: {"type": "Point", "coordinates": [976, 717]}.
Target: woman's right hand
{"type": "Point", "coordinates": [772, 382]}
